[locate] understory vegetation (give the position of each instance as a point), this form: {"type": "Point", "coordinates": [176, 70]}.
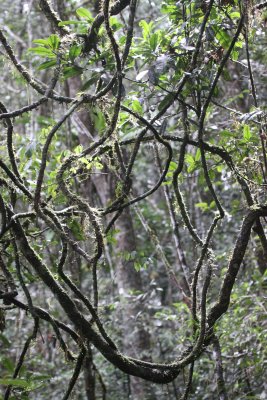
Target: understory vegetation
{"type": "Point", "coordinates": [133, 178]}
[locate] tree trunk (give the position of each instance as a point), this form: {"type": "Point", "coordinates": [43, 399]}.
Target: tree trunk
{"type": "Point", "coordinates": [89, 375]}
{"type": "Point", "coordinates": [136, 338]}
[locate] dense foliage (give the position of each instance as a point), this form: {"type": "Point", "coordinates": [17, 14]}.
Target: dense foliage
{"type": "Point", "coordinates": [133, 174]}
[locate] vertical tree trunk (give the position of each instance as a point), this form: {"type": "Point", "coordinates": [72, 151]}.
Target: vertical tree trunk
{"type": "Point", "coordinates": [89, 375]}
{"type": "Point", "coordinates": [136, 338]}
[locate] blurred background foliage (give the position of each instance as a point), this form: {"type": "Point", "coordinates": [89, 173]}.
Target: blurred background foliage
{"type": "Point", "coordinates": [165, 35]}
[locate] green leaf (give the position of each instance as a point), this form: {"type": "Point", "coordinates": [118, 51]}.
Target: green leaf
{"type": "Point", "coordinates": [246, 133]}
{"type": "Point", "coordinates": [154, 40]}
{"type": "Point", "coordinates": [234, 55]}
{"type": "Point", "coordinates": [76, 229]}
{"type": "Point", "coordinates": [235, 14]}
{"type": "Point", "coordinates": [212, 174]}
{"type": "Point", "coordinates": [47, 64]}
{"type": "Point", "coordinates": [15, 382]}
{"type": "Point", "coordinates": [223, 38]}
{"type": "Point", "coordinates": [220, 168]}
{"type": "Point", "coordinates": [212, 204]}
{"type": "Point", "coordinates": [53, 42]}
{"type": "Point", "coordinates": [74, 51]}
{"type": "Point", "coordinates": [137, 266]}
{"type": "Point", "coordinates": [204, 206]}
{"type": "Point", "coordinates": [97, 165]}
{"type": "Point", "coordinates": [78, 149]}
{"type": "Point", "coordinates": [8, 364]}
{"type": "Point", "coordinates": [84, 13]}
{"type": "Point", "coordinates": [115, 24]}
{"type": "Point", "coordinates": [191, 162]}
{"type": "Point", "coordinates": [146, 28]}
{"type": "Point", "coordinates": [44, 42]}
{"type": "Point", "coordinates": [47, 48]}
{"type": "Point", "coordinates": [198, 155]}
{"type": "Point", "coordinates": [137, 107]}
{"type": "Point", "coordinates": [173, 165]}
{"type": "Point", "coordinates": [189, 159]}
{"type": "Point", "coordinates": [42, 51]}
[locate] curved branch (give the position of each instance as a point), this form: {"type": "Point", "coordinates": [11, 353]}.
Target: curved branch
{"type": "Point", "coordinates": [90, 42]}
{"type": "Point", "coordinates": [240, 247]}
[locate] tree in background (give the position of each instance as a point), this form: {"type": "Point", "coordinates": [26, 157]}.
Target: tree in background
{"type": "Point", "coordinates": [132, 199]}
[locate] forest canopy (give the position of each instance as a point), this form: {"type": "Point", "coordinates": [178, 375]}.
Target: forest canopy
{"type": "Point", "coordinates": [133, 177]}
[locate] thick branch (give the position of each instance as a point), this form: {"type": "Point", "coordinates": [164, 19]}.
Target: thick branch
{"type": "Point", "coordinates": [53, 17]}
{"type": "Point", "coordinates": [233, 267]}
{"type": "Point", "coordinates": [82, 325]}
